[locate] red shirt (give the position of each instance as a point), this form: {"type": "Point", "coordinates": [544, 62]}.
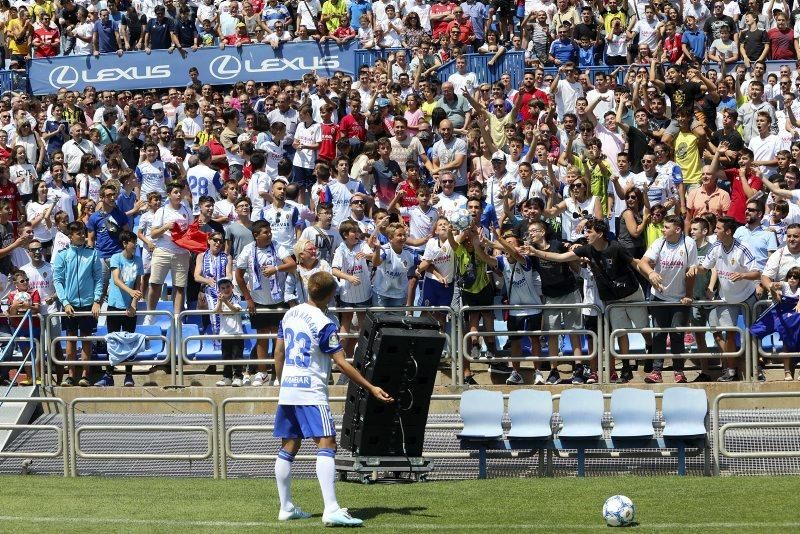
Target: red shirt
{"type": "Point", "coordinates": [410, 198]}
{"type": "Point", "coordinates": [236, 39]}
{"type": "Point", "coordinates": [327, 147]}
{"type": "Point", "coordinates": [353, 126]}
{"type": "Point", "coordinates": [35, 298]}
{"type": "Point", "coordinates": [464, 30]}
{"type": "Point", "coordinates": [441, 27]}
{"type": "Point", "coordinates": [738, 198]}
{"type": "Point", "coordinates": [218, 150]}
{"type": "Point", "coordinates": [50, 38]}
{"type": "Point", "coordinates": [780, 43]}
{"type": "Point", "coordinates": [10, 192]}
{"type": "Point", "coordinates": [524, 110]}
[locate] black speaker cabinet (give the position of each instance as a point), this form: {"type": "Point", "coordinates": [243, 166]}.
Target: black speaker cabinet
{"type": "Point", "coordinates": [401, 355]}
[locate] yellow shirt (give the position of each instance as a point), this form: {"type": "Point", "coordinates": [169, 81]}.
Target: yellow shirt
{"type": "Point", "coordinates": [44, 7]}
{"type": "Point", "coordinates": [609, 18]}
{"type": "Point", "coordinates": [599, 181]}
{"type": "Point", "coordinates": [427, 109]}
{"type": "Point", "coordinates": [21, 48]}
{"type": "Point", "coordinates": [338, 10]}
{"type": "Point", "coordinates": [497, 128]}
{"type": "Point", "coordinates": [687, 156]}
{"type": "Point", "coordinates": [653, 232]}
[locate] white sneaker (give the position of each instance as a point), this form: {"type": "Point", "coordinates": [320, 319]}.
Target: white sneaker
{"type": "Point", "coordinates": [538, 379]}
{"type": "Point", "coordinates": [475, 352]}
{"type": "Point", "coordinates": [246, 379]}
{"type": "Point", "coordinates": [340, 518]}
{"type": "Point", "coordinates": [276, 382]}
{"type": "Point", "coordinates": [295, 513]}
{"type": "Point", "coordinates": [515, 379]}
{"type": "Point", "coordinates": [260, 378]}
{"type": "Point", "coordinates": [224, 382]}
{"type": "Point", "coordinates": [237, 382]}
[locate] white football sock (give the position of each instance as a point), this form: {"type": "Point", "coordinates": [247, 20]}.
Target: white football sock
{"type": "Point", "coordinates": [283, 477]}
{"type": "Point", "coordinates": [326, 474]}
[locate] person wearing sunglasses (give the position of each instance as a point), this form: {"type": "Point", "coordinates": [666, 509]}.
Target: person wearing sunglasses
{"type": "Point", "coordinates": [575, 210]}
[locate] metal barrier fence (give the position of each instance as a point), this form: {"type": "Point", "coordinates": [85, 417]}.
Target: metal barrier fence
{"type": "Point", "coordinates": [719, 432]}
{"type": "Point", "coordinates": [212, 433]}
{"type": "Point", "coordinates": [32, 353]}
{"type": "Point", "coordinates": [168, 349]}
{"type": "Point", "coordinates": [612, 335]}
{"type": "Point", "coordinates": [62, 432]}
{"type": "Point", "coordinates": [597, 341]}
{"type": "Point", "coordinates": [511, 63]}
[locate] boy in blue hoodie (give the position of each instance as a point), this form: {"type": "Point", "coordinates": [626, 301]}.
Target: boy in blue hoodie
{"type": "Point", "coordinates": [78, 279]}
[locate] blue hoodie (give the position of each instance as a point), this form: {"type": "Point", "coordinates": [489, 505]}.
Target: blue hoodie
{"type": "Point", "coordinates": [78, 277]}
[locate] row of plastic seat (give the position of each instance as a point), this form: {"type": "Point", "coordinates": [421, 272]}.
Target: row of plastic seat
{"type": "Point", "coordinates": [633, 411]}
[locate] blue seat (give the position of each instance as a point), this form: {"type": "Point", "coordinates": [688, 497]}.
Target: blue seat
{"type": "Point", "coordinates": [530, 411]}
{"type": "Point", "coordinates": [194, 345]}
{"type": "Point", "coordinates": [633, 411]}
{"type": "Point", "coordinates": [482, 414]}
{"type": "Point", "coordinates": [153, 348]}
{"type": "Point", "coordinates": [685, 411]}
{"type": "Point", "coordinates": [164, 322]}
{"type": "Point", "coordinates": [581, 412]}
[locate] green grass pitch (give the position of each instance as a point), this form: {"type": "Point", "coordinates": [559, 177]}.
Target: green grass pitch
{"type": "Point", "coordinates": [665, 504]}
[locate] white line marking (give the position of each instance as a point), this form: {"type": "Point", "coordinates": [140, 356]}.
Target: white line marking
{"type": "Point", "coordinates": [314, 523]}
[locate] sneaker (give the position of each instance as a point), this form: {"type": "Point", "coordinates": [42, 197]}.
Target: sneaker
{"type": "Point", "coordinates": [621, 379]}
{"type": "Point", "coordinates": [702, 377]}
{"type": "Point", "coordinates": [627, 374]}
{"type": "Point", "coordinates": [340, 518]}
{"type": "Point", "coordinates": [469, 380]}
{"type": "Point", "coordinates": [105, 382]}
{"type": "Point", "coordinates": [475, 352]}
{"type": "Point", "coordinates": [761, 376]}
{"type": "Point", "coordinates": [260, 379]}
{"type": "Point", "coordinates": [237, 383]}
{"type": "Point", "coordinates": [680, 378]}
{"type": "Point", "coordinates": [246, 379]}
{"type": "Point", "coordinates": [67, 382]}
{"type": "Point", "coordinates": [688, 339]}
{"type": "Point", "coordinates": [592, 378]}
{"type": "Point", "coordinates": [553, 377]}
{"type": "Point", "coordinates": [84, 382]}
{"type": "Point", "coordinates": [653, 378]}
{"type": "Point", "coordinates": [614, 377]}
{"type": "Point", "coordinates": [577, 378]}
{"type": "Point", "coordinates": [538, 379]}
{"type": "Point", "coordinates": [787, 376]}
{"type": "Point", "coordinates": [224, 382]}
{"type": "Point", "coordinates": [295, 513]}
{"type": "Point", "coordinates": [729, 375]}
{"type": "Point", "coordinates": [500, 368]}
{"type": "Point", "coordinates": [515, 379]}
{"type": "Point", "coordinates": [129, 381]}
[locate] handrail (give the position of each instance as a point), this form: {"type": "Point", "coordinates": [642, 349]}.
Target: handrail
{"type": "Point", "coordinates": [719, 432]}
{"type": "Point", "coordinates": [212, 433]}
{"type": "Point", "coordinates": [62, 433]}
{"type": "Point", "coordinates": [13, 340]}
{"type": "Point", "coordinates": [611, 335]}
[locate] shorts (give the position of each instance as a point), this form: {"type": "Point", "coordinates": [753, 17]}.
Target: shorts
{"type": "Point", "coordinates": [84, 325]}
{"type": "Point", "coordinates": [164, 261]}
{"type": "Point", "coordinates": [629, 317]}
{"type": "Point", "coordinates": [298, 421]}
{"type": "Point", "coordinates": [365, 304]}
{"type": "Point", "coordinates": [259, 320]}
{"type": "Point", "coordinates": [484, 297]}
{"type": "Point", "coordinates": [700, 315]}
{"type": "Point", "coordinates": [303, 177]}
{"type": "Point", "coordinates": [434, 293]}
{"type": "Point", "coordinates": [728, 315]}
{"type": "Point", "coordinates": [120, 323]}
{"type": "Point", "coordinates": [382, 301]}
{"type": "Point", "coordinates": [563, 318]}
{"type": "Point", "coordinates": [147, 257]}
{"type": "Point", "coordinates": [519, 323]}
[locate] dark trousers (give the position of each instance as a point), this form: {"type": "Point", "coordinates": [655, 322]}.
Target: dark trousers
{"type": "Point", "coordinates": [669, 317]}
{"type": "Point", "coordinates": [232, 349]}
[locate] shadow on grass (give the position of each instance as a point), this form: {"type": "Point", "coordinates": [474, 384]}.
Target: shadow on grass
{"type": "Point", "coordinates": [377, 511]}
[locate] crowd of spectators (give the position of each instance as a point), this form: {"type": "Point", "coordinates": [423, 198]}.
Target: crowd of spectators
{"type": "Point", "coordinates": [670, 177]}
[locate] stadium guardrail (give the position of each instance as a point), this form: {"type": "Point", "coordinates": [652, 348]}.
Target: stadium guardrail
{"type": "Point", "coordinates": [62, 432]}
{"type": "Point", "coordinates": [597, 340]}
{"type": "Point", "coordinates": [212, 433]}
{"type": "Point", "coordinates": [53, 360]}
{"type": "Point", "coordinates": [32, 353]}
{"type": "Point", "coordinates": [612, 335]}
{"type": "Point", "coordinates": [719, 432]}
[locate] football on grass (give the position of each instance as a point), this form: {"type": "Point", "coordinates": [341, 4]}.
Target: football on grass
{"type": "Point", "coordinates": [619, 511]}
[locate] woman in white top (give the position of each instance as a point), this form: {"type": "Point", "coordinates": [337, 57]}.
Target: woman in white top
{"type": "Point", "coordinates": [22, 173]}
{"type": "Point", "coordinates": [307, 264]}
{"type": "Point", "coordinates": [575, 209]}
{"type": "Point", "coordinates": [39, 212]}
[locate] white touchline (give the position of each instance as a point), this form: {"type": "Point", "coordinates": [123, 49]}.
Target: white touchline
{"type": "Point", "coordinates": [312, 523]}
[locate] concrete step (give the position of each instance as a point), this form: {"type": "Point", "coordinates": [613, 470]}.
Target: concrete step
{"type": "Point", "coordinates": [12, 413]}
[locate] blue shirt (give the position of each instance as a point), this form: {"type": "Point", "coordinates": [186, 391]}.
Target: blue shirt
{"type": "Point", "coordinates": [358, 8]}
{"type": "Point", "coordinates": [125, 201]}
{"type": "Point", "coordinates": [477, 14]}
{"type": "Point", "coordinates": [586, 57]}
{"type": "Point", "coordinates": [695, 41]}
{"type": "Point", "coordinates": [129, 272]}
{"type": "Point", "coordinates": [106, 228]}
{"type": "Point", "coordinates": [563, 50]}
{"type": "Point", "coordinates": [106, 40]}
{"type": "Point", "coordinates": [761, 242]}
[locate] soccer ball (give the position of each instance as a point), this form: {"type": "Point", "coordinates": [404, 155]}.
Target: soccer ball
{"type": "Point", "coordinates": [460, 219]}
{"type": "Point", "coordinates": [619, 511]}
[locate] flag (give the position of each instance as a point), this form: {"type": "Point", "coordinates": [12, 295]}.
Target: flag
{"type": "Point", "coordinates": [192, 239]}
{"type": "Point", "coordinates": [780, 318]}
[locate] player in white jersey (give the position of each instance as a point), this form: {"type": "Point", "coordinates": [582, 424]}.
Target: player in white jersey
{"type": "Point", "coordinates": [260, 184]}
{"type": "Point", "coordinates": [151, 173]}
{"type": "Point", "coordinates": [738, 274]}
{"type": "Point", "coordinates": [203, 180]}
{"type": "Point", "coordinates": [666, 265]}
{"type": "Point", "coordinates": [282, 218]}
{"type": "Point", "coordinates": [307, 344]}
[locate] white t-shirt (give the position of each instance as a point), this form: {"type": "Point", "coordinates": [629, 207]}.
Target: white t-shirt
{"type": "Point", "coordinates": [264, 290]}
{"type": "Point", "coordinates": [346, 261]}
{"type": "Point", "coordinates": [466, 81]}
{"type": "Point", "coordinates": [764, 150]}
{"type": "Point", "coordinates": [391, 276]}
{"type": "Point", "coordinates": [307, 135]}
{"type": "Point", "coordinates": [523, 285]}
{"type": "Point", "coordinates": [284, 222]}
{"type": "Point", "coordinates": [260, 182]}
{"type": "Point", "coordinates": [420, 222]}
{"type": "Point", "coordinates": [41, 279]}
{"type": "Point", "coordinates": [779, 264]}
{"type": "Point", "coordinates": [41, 231]}
{"type": "Point", "coordinates": [739, 259]}
{"type": "Point", "coordinates": [65, 200]}
{"type": "Point", "coordinates": [441, 256]}
{"type": "Point", "coordinates": [449, 204]}
{"type": "Point", "coordinates": [152, 177]}
{"type": "Point", "coordinates": [602, 105]}
{"type": "Point", "coordinates": [203, 181]}
{"type": "Point", "coordinates": [447, 152]}
{"type": "Point", "coordinates": [168, 214]}
{"type": "Point", "coordinates": [566, 96]}
{"type": "Point", "coordinates": [671, 262]}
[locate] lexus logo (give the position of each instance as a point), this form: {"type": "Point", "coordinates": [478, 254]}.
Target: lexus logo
{"type": "Point", "coordinates": [225, 67]}
{"type": "Point", "coordinates": [64, 76]}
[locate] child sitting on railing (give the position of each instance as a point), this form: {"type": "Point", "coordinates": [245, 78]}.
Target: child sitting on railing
{"type": "Point", "coordinates": [20, 300]}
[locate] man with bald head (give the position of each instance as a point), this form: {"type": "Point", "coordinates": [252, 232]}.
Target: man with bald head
{"type": "Point", "coordinates": [709, 197]}
{"type": "Point", "coordinates": [458, 110]}
{"type": "Point", "coordinates": [450, 154]}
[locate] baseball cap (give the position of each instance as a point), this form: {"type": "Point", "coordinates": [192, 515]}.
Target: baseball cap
{"type": "Point", "coordinates": [91, 9]}
{"type": "Point", "coordinates": [499, 156]}
{"type": "Point", "coordinates": [382, 102]}
{"type": "Point", "coordinates": [156, 107]}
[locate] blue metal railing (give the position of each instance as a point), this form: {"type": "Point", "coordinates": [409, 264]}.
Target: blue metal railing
{"type": "Point", "coordinates": [30, 355]}
{"type": "Point", "coordinates": [13, 80]}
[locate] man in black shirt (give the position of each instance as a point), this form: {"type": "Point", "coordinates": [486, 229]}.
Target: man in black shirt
{"type": "Point", "coordinates": [130, 145]}
{"type": "Point", "coordinates": [682, 94]}
{"type": "Point", "coordinates": [158, 34]}
{"type": "Point", "coordinates": [640, 138]}
{"type": "Point", "coordinates": [614, 271]}
{"type": "Point", "coordinates": [728, 133]}
{"type": "Point", "coordinates": [753, 42]}
{"type": "Point", "coordinates": [717, 20]}
{"type": "Point", "coordinates": [186, 31]}
{"type": "Point", "coordinates": [587, 27]}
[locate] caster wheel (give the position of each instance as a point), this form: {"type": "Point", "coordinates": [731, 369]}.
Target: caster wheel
{"type": "Point", "coordinates": [342, 476]}
{"type": "Point", "coordinates": [422, 478]}
{"type": "Point", "coordinates": [366, 479]}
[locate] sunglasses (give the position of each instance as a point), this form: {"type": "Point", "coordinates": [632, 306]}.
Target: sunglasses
{"type": "Point", "coordinates": [795, 276]}
{"type": "Point", "coordinates": [632, 197]}
{"type": "Point", "coordinates": [216, 239]}
{"type": "Point", "coordinates": [577, 186]}
{"type": "Point", "coordinates": [22, 280]}
{"type": "Point", "coordinates": [751, 210]}
{"type": "Point", "coordinates": [447, 182]}
{"type": "Point", "coordinates": [358, 202]}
